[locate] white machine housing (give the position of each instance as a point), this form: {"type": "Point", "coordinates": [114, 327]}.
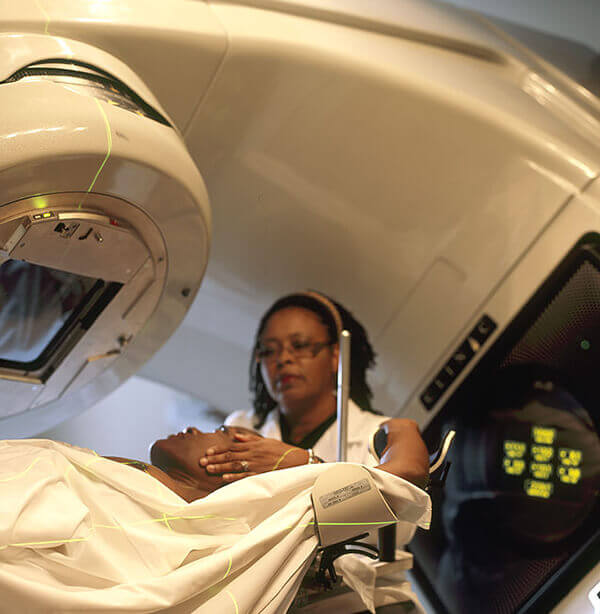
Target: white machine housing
{"type": "Point", "coordinates": [96, 182]}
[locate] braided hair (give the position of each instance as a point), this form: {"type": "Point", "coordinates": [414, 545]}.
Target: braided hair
{"type": "Point", "coordinates": [362, 354]}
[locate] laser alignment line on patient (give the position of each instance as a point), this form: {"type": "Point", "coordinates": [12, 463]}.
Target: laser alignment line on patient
{"type": "Point", "coordinates": [229, 568]}
{"type": "Point", "coordinates": [281, 458]}
{"type": "Point", "coordinates": [237, 610]}
{"type": "Point", "coordinates": [344, 524]}
{"type": "Point", "coordinates": [108, 152]}
{"type": "Point", "coordinates": [166, 521]}
{"type": "Point", "coordinates": [50, 541]}
{"type": "Point", "coordinates": [18, 475]}
{"type": "Point", "coordinates": [165, 517]}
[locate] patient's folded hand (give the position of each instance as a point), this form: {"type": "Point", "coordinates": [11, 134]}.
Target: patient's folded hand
{"type": "Point", "coordinates": [250, 455]}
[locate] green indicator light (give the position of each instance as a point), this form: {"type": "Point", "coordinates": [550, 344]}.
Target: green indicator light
{"type": "Point", "coordinates": [541, 471]}
{"type": "Point", "coordinates": [515, 449]}
{"type": "Point", "coordinates": [514, 466]}
{"type": "Point", "coordinates": [570, 457]}
{"type": "Point", "coordinates": [534, 488]}
{"type": "Point", "coordinates": [39, 202]}
{"type": "Point", "coordinates": [543, 434]}
{"type": "Point", "coordinates": [569, 475]}
{"type": "Point", "coordinates": [585, 345]}
{"type": "Point", "coordinates": [47, 214]}
{"type": "Point", "coordinates": [542, 454]}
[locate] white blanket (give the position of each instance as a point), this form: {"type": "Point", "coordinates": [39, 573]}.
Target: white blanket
{"type": "Point", "coordinates": [82, 533]}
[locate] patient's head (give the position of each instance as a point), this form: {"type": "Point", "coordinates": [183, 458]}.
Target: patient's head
{"type": "Point", "coordinates": [179, 455]}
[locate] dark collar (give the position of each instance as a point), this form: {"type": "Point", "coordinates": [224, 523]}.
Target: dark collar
{"type": "Point", "coordinates": [310, 439]}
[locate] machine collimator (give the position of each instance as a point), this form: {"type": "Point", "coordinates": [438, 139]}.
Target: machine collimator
{"type": "Point", "coordinates": [104, 233]}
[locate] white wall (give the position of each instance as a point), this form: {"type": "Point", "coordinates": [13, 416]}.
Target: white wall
{"type": "Point", "coordinates": [136, 414]}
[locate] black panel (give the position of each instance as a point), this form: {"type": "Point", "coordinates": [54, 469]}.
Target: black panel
{"type": "Point", "coordinates": [516, 525]}
{"type": "Point", "coordinates": [459, 359]}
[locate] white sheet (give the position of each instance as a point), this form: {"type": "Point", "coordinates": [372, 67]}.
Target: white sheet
{"type": "Point", "coordinates": [82, 533]}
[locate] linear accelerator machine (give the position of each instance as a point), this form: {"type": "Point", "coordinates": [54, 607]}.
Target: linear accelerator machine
{"type": "Point", "coordinates": [448, 175]}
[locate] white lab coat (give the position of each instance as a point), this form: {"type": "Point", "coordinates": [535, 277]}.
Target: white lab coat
{"type": "Point", "coordinates": [362, 425]}
{"type": "Point", "coordinates": [81, 533]}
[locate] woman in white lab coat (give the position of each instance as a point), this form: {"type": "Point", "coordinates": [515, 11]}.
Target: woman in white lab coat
{"type": "Point", "coordinates": [293, 380]}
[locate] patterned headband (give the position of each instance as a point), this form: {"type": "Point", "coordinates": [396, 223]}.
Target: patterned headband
{"type": "Point", "coordinates": [330, 307]}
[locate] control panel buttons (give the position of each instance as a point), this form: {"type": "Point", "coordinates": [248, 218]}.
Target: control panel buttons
{"type": "Point", "coordinates": [458, 361]}
{"type": "Point", "coordinates": [485, 327]}
{"type": "Point", "coordinates": [430, 396]}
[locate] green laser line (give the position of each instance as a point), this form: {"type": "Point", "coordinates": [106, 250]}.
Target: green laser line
{"type": "Point", "coordinates": [167, 522]}
{"type": "Point", "coordinates": [229, 568]}
{"type": "Point", "coordinates": [165, 518]}
{"type": "Point", "coordinates": [14, 477]}
{"type": "Point", "coordinates": [346, 524]}
{"type": "Point", "coordinates": [46, 16]}
{"type": "Point", "coordinates": [109, 140]}
{"type": "Point", "coordinates": [282, 457]}
{"type": "Point", "coordinates": [51, 541]}
{"type": "Point", "coordinates": [237, 610]}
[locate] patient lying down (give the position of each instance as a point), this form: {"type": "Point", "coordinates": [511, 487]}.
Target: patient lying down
{"type": "Point", "coordinates": [79, 532]}
{"type": "Point", "coordinates": [176, 459]}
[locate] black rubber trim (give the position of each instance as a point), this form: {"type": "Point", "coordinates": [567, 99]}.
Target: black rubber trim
{"type": "Point", "coordinates": [98, 307]}
{"type": "Point", "coordinates": [37, 68]}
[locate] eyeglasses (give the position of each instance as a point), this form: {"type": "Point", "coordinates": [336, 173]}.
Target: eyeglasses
{"type": "Point", "coordinates": [270, 352]}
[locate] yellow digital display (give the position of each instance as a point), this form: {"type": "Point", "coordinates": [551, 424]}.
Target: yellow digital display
{"type": "Point", "coordinates": [514, 466]}
{"type": "Point", "coordinates": [534, 488]}
{"type": "Point", "coordinates": [515, 449]}
{"type": "Point", "coordinates": [569, 475]}
{"type": "Point", "coordinates": [543, 434]}
{"type": "Point", "coordinates": [541, 462]}
{"type": "Point", "coordinates": [541, 471]}
{"type": "Point", "coordinates": [542, 454]}
{"type": "Point", "coordinates": [570, 457]}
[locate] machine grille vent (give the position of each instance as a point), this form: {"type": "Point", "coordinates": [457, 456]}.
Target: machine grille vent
{"type": "Point", "coordinates": [568, 326]}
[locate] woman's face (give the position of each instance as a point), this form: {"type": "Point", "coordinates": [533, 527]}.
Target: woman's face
{"type": "Point", "coordinates": [182, 452]}
{"type": "Point", "coordinates": [297, 381]}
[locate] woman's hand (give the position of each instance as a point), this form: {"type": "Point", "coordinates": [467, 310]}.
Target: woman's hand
{"type": "Point", "coordinates": [249, 455]}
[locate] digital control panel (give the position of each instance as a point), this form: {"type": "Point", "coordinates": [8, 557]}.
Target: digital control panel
{"type": "Point", "coordinates": [459, 359]}
{"type": "Point", "coordinates": [541, 463]}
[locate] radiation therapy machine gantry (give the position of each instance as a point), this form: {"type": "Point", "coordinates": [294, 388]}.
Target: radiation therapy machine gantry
{"type": "Point", "coordinates": [433, 169]}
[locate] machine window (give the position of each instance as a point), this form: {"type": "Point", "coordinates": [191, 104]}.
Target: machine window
{"type": "Point", "coordinates": [36, 305]}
